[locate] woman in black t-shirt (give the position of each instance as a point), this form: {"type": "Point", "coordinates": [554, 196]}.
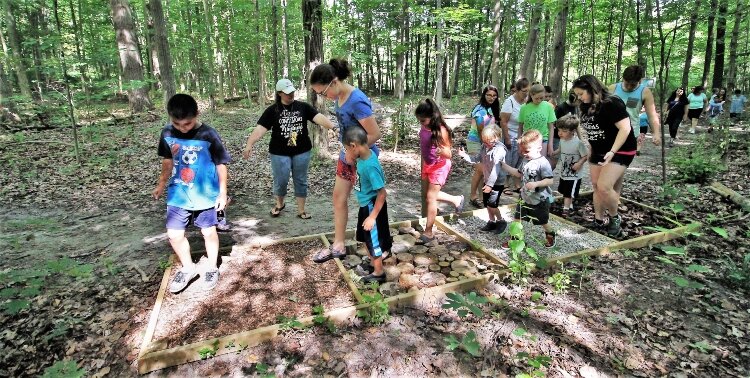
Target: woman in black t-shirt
{"type": "Point", "coordinates": [613, 146]}
{"type": "Point", "coordinates": [290, 146]}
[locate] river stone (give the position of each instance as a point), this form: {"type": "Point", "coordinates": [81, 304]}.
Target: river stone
{"type": "Point", "coordinates": [392, 273]}
{"type": "Point", "coordinates": [451, 279]}
{"type": "Point", "coordinates": [424, 259]}
{"type": "Point", "coordinates": [352, 260]}
{"type": "Point", "coordinates": [455, 253]}
{"type": "Point", "coordinates": [460, 264]}
{"type": "Point", "coordinates": [408, 281]}
{"type": "Point", "coordinates": [446, 271]}
{"type": "Point", "coordinates": [406, 230]}
{"type": "Point", "coordinates": [362, 251]}
{"type": "Point", "coordinates": [444, 264]}
{"type": "Point", "coordinates": [389, 289]}
{"type": "Point", "coordinates": [439, 250]}
{"type": "Point", "coordinates": [434, 268]}
{"type": "Point", "coordinates": [422, 269]}
{"type": "Point", "coordinates": [454, 273]}
{"type": "Point", "coordinates": [481, 267]}
{"type": "Point", "coordinates": [393, 232]}
{"type": "Point", "coordinates": [405, 268]}
{"type": "Point", "coordinates": [402, 243]}
{"type": "Point", "coordinates": [405, 257]}
{"type": "Point", "coordinates": [449, 258]}
{"type": "Point", "coordinates": [417, 249]}
{"type": "Point", "coordinates": [433, 243]}
{"type": "Point", "coordinates": [432, 279]}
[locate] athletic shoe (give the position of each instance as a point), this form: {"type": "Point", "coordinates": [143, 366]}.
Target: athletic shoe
{"type": "Point", "coordinates": [671, 142]}
{"type": "Point", "coordinates": [211, 279]}
{"type": "Point", "coordinates": [566, 213]}
{"type": "Point", "coordinates": [181, 280]}
{"type": "Point", "coordinates": [500, 227]}
{"type": "Point", "coordinates": [489, 226]}
{"type": "Point", "coordinates": [373, 278]}
{"type": "Point", "coordinates": [597, 225]}
{"type": "Point", "coordinates": [549, 239]}
{"type": "Point", "coordinates": [614, 229]}
{"type": "Point", "coordinates": [692, 131]}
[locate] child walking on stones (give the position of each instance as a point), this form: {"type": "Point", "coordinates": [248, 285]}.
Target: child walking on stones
{"type": "Point", "coordinates": [435, 141]}
{"type": "Point", "coordinates": [194, 172]}
{"type": "Point", "coordinates": [492, 157]}
{"type": "Point", "coordinates": [573, 155]}
{"type": "Point", "coordinates": [537, 177]}
{"type": "Point", "coordinates": [372, 220]}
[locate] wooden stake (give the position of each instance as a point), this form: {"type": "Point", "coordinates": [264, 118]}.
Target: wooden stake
{"type": "Point", "coordinates": [151, 328]}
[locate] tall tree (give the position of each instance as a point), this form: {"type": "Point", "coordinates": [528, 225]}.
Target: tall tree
{"type": "Point", "coordinates": [439, 59]}
{"type": "Point", "coordinates": [558, 52]}
{"type": "Point", "coordinates": [740, 11]}
{"type": "Point", "coordinates": [14, 39]}
{"type": "Point", "coordinates": [497, 28]}
{"type": "Point", "coordinates": [709, 43]}
{"type": "Point", "coordinates": [211, 79]}
{"type": "Point", "coordinates": [721, 29]}
{"type": "Point", "coordinates": [285, 26]}
{"type": "Point", "coordinates": [275, 33]}
{"type": "Point", "coordinates": [130, 58]}
{"type": "Point", "coordinates": [163, 54]}
{"type": "Point", "coordinates": [262, 95]}
{"type": "Point", "coordinates": [527, 65]}
{"type": "Point", "coordinates": [691, 41]}
{"type": "Point", "coordinates": [312, 24]}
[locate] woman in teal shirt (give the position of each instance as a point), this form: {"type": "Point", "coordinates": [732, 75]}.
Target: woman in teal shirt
{"type": "Point", "coordinates": [697, 104]}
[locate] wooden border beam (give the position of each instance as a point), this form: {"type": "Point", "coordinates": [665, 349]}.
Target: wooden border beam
{"type": "Point", "coordinates": [731, 195]}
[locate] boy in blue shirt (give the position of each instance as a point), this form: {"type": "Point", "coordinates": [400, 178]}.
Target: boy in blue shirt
{"type": "Point", "coordinates": [372, 220]}
{"type": "Point", "coordinates": [194, 172]}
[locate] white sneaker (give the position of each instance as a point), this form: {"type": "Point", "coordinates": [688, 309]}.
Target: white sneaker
{"type": "Point", "coordinates": [692, 131]}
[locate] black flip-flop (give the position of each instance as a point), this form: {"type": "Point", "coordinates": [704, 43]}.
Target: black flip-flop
{"type": "Point", "coordinates": [476, 203]}
{"type": "Point", "coordinates": [304, 215]}
{"type": "Point", "coordinates": [276, 211]}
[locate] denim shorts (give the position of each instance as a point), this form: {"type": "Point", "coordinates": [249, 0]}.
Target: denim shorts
{"type": "Point", "coordinates": [513, 156]}
{"type": "Point", "coordinates": [179, 218]}
{"type": "Point", "coordinates": [282, 166]}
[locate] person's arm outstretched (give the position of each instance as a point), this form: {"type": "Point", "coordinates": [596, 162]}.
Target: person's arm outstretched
{"type": "Point", "coordinates": [252, 139]}
{"type": "Point", "coordinates": [322, 120]}
{"type": "Point", "coordinates": [221, 201]}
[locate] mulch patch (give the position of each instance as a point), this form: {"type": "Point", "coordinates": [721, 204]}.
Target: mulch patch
{"type": "Point", "coordinates": [257, 286]}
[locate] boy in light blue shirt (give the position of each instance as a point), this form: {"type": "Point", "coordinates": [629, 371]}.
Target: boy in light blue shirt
{"type": "Point", "coordinates": [738, 104]}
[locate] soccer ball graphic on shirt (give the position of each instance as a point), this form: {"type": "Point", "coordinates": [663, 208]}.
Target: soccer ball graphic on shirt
{"type": "Point", "coordinates": [189, 157]}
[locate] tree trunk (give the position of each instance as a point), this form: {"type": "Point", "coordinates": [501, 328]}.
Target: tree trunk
{"type": "Point", "coordinates": [71, 109]}
{"type": "Point", "coordinates": [284, 20]}
{"type": "Point", "coordinates": [417, 64]}
{"type": "Point", "coordinates": [605, 69]}
{"type": "Point", "coordinates": [494, 79]}
{"type": "Point", "coordinates": [558, 54]}
{"type": "Point", "coordinates": [456, 68]}
{"type": "Point", "coordinates": [427, 65]}
{"type": "Point", "coordinates": [210, 61]}
{"type": "Point", "coordinates": [369, 73]}
{"type": "Point", "coordinates": [593, 39]}
{"type": "Point", "coordinates": [621, 38]}
{"type": "Point", "coordinates": [402, 34]}
{"type": "Point", "coordinates": [527, 66]}
{"type": "Point", "coordinates": [35, 16]}
{"type": "Point", "coordinates": [545, 47]}
{"type": "Point", "coordinates": [721, 29]}
{"type": "Point", "coordinates": [640, 54]}
{"type": "Point", "coordinates": [439, 60]}
{"type": "Point", "coordinates": [732, 70]}
{"type": "Point", "coordinates": [14, 40]}
{"type": "Point", "coordinates": [161, 43]}
{"type": "Point", "coordinates": [691, 41]}
{"type": "Point", "coordinates": [709, 43]}
{"type": "Point", "coordinates": [275, 33]}
{"type": "Point", "coordinates": [475, 82]}
{"type": "Point", "coordinates": [312, 25]}
{"type": "Point", "coordinates": [262, 94]}
{"type": "Point", "coordinates": [130, 58]}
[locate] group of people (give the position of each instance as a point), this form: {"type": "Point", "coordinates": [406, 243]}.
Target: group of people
{"type": "Point", "coordinates": [683, 107]}
{"type": "Point", "coordinates": [514, 147]}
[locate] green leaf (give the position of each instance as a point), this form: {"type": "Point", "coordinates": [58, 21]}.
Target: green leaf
{"type": "Point", "coordinates": [666, 260]}
{"type": "Point", "coordinates": [536, 296]}
{"type": "Point", "coordinates": [692, 190]}
{"type": "Point", "coordinates": [698, 268]}
{"type": "Point", "coordinates": [721, 232]}
{"type": "Point", "coordinates": [676, 207]}
{"type": "Point", "coordinates": [15, 306]}
{"type": "Point", "coordinates": [516, 230]}
{"type": "Point", "coordinates": [470, 343]}
{"type": "Point", "coordinates": [672, 250]}
{"type": "Point", "coordinates": [64, 369]}
{"type": "Point", "coordinates": [452, 341]}
{"type": "Point", "coordinates": [703, 346]}
{"type": "Point", "coordinates": [9, 292]}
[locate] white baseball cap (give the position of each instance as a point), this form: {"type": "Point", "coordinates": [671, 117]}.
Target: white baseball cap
{"type": "Point", "coordinates": [285, 85]}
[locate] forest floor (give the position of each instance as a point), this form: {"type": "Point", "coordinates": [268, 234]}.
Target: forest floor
{"type": "Point", "coordinates": [83, 251]}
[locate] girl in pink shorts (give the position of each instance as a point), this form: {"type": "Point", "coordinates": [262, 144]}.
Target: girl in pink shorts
{"type": "Point", "coordinates": [435, 140]}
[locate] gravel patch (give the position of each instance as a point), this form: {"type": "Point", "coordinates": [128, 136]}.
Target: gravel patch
{"type": "Point", "coordinates": [569, 238]}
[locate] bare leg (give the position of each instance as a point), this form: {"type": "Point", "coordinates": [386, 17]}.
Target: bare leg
{"type": "Point", "coordinates": [211, 238]}
{"type": "Point", "coordinates": [377, 264]}
{"type": "Point", "coordinates": [445, 197]}
{"type": "Point", "coordinates": [595, 170]}
{"type": "Point", "coordinates": [608, 177]}
{"type": "Point", "coordinates": [181, 248]}
{"type": "Point", "coordinates": [476, 180]}
{"type": "Point", "coordinates": [300, 204]}
{"type": "Point", "coordinates": [341, 191]}
{"type": "Point", "coordinates": [279, 201]}
{"type": "Point", "coordinates": [431, 202]}
{"type": "Point", "coordinates": [567, 203]}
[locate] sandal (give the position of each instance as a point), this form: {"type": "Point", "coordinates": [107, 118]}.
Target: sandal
{"type": "Point", "coordinates": [328, 253]}
{"type": "Point", "coordinates": [476, 203]}
{"type": "Point", "coordinates": [460, 207]}
{"type": "Point", "coordinates": [276, 211]}
{"type": "Point", "coordinates": [304, 215]}
{"type": "Point", "coordinates": [508, 192]}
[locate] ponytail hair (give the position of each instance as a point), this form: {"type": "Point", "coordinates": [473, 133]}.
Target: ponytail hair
{"type": "Point", "coordinates": [325, 73]}
{"type": "Point", "coordinates": [427, 108]}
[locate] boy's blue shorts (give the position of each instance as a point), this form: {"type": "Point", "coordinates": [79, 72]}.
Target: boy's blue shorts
{"type": "Point", "coordinates": [179, 218]}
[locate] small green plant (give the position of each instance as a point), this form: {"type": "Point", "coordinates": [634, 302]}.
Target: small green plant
{"type": "Point", "coordinates": [464, 305]}
{"type": "Point", "coordinates": [378, 311]}
{"type": "Point", "coordinates": [208, 352]}
{"type": "Point", "coordinates": [695, 165]}
{"type": "Point", "coordinates": [536, 364]}
{"type": "Point", "coordinates": [264, 371]}
{"type": "Point", "coordinates": [536, 298]}
{"type": "Point", "coordinates": [740, 274]}
{"type": "Point", "coordinates": [164, 264]}
{"type": "Point", "coordinates": [320, 319]}
{"type": "Point", "coordinates": [702, 346]}
{"type": "Point", "coordinates": [288, 323]}
{"type": "Point", "coordinates": [560, 280]}
{"type": "Point", "coordinates": [468, 343]}
{"type": "Point", "coordinates": [522, 259]}
{"type": "Point", "coordinates": [112, 269]}
{"type": "Point", "coordinates": [64, 369]}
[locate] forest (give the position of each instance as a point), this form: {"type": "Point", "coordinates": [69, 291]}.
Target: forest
{"type": "Point", "coordinates": [225, 50]}
{"type": "Point", "coordinates": [86, 263]}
